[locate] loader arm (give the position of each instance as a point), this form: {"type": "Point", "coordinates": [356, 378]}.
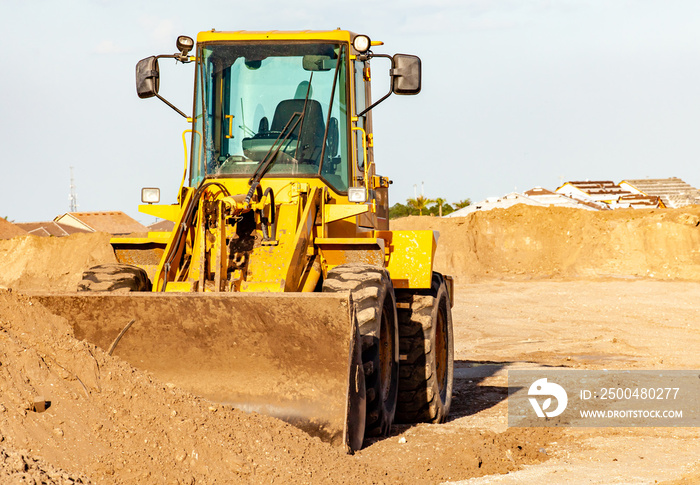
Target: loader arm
{"type": "Point", "coordinates": [281, 267]}
{"type": "Point", "coordinates": [219, 242]}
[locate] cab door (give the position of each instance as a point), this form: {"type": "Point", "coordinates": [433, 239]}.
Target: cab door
{"type": "Point", "coordinates": [363, 98]}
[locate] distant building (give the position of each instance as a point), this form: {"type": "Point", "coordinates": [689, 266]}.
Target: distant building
{"type": "Point", "coordinates": [554, 199]}
{"type": "Point", "coordinates": [489, 203]}
{"type": "Point", "coordinates": [112, 222]}
{"type": "Point", "coordinates": [49, 228]}
{"type": "Point", "coordinates": [640, 201]}
{"type": "Point", "coordinates": [537, 196]}
{"type": "Point", "coordinates": [605, 191]}
{"type": "Point", "coordinates": [673, 192]}
{"type": "Point", "coordinates": [161, 226]}
{"type": "Point", "coordinates": [609, 193]}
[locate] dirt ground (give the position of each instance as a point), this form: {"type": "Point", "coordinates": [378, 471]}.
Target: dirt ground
{"type": "Point", "coordinates": [108, 422]}
{"type": "Point", "coordinates": [581, 324]}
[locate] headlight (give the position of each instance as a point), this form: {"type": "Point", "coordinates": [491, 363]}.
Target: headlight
{"type": "Point", "coordinates": [184, 44]}
{"type": "Point", "coordinates": [361, 43]}
{"type": "Point", "coordinates": [357, 194]}
{"type": "Point", "coordinates": [150, 195]}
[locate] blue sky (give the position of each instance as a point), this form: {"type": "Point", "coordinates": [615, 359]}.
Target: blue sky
{"type": "Point", "coordinates": [515, 94]}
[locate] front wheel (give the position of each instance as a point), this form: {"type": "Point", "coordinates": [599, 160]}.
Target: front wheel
{"type": "Point", "coordinates": [375, 307]}
{"type": "Point", "coordinates": [427, 354]}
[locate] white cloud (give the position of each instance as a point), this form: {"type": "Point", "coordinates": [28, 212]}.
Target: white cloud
{"type": "Point", "coordinates": [162, 31]}
{"type": "Point", "coordinates": [109, 47]}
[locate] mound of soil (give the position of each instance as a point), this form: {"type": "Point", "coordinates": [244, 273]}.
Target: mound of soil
{"type": "Point", "coordinates": [51, 263]}
{"type": "Point", "coordinates": [540, 242]}
{"type": "Point", "coordinates": [9, 230]}
{"type": "Point", "coordinates": [19, 468]}
{"type": "Point", "coordinates": [560, 242]}
{"type": "Point", "coordinates": [108, 421]}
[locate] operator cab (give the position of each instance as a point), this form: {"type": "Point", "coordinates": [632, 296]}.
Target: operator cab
{"type": "Point", "coordinates": [286, 105]}
{"type": "Point", "coordinates": [299, 86]}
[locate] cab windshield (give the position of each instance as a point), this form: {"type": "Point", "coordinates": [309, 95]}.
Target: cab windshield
{"type": "Point", "coordinates": [281, 105]}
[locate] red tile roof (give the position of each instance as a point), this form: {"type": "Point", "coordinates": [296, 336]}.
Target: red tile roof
{"type": "Point", "coordinates": [112, 222]}
{"type": "Point", "coordinates": [165, 226]}
{"type": "Point", "coordinates": [49, 228]}
{"type": "Point", "coordinates": [673, 191]}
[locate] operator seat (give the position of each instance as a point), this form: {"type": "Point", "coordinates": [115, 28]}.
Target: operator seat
{"type": "Point", "coordinates": [311, 126]}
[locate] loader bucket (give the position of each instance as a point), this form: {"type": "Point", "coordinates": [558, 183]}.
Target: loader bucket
{"type": "Point", "coordinates": [292, 356]}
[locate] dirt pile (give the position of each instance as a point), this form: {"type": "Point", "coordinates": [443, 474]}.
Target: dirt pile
{"type": "Point", "coordinates": [19, 468]}
{"type": "Point", "coordinates": [110, 422]}
{"type": "Point", "coordinates": [522, 240]}
{"type": "Point", "coordinates": [106, 421]}
{"type": "Point", "coordinates": [560, 242]}
{"type": "Point", "coordinates": [9, 230]}
{"type": "Point", "coordinates": [51, 263]}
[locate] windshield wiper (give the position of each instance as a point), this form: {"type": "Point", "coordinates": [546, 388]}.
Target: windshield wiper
{"type": "Point", "coordinates": [274, 150]}
{"type": "Point", "coordinates": [271, 155]}
{"type": "Point", "coordinates": [330, 111]}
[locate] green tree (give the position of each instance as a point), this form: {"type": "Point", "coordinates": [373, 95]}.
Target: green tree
{"type": "Point", "coordinates": [440, 202]}
{"type": "Point", "coordinates": [420, 203]}
{"type": "Point", "coordinates": [400, 210]}
{"type": "Point", "coordinates": [434, 210]}
{"type": "Point", "coordinates": [439, 207]}
{"type": "Point", "coordinates": [463, 203]}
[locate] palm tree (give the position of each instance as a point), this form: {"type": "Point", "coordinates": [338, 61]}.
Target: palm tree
{"type": "Point", "coordinates": [440, 202]}
{"type": "Point", "coordinates": [463, 203]}
{"type": "Point", "coordinates": [420, 202]}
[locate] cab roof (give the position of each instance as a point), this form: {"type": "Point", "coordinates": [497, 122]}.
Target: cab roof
{"type": "Point", "coordinates": [276, 35]}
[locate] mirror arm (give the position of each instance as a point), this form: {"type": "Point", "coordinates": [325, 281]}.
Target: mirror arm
{"type": "Point", "coordinates": [179, 58]}
{"type": "Point", "coordinates": [367, 57]}
{"type": "Point", "coordinates": [171, 105]}
{"type": "Point", "coordinates": [374, 104]}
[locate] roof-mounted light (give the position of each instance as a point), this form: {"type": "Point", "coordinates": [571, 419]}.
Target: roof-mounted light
{"type": "Point", "coordinates": [184, 44]}
{"type": "Point", "coordinates": [361, 43]}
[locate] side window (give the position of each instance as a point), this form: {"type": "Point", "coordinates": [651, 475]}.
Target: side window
{"type": "Point", "coordinates": [360, 105]}
{"type": "Point", "coordinates": [198, 145]}
{"type": "Point", "coordinates": [337, 168]}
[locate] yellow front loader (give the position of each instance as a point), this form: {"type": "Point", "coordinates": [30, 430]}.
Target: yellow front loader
{"type": "Point", "coordinates": [281, 288]}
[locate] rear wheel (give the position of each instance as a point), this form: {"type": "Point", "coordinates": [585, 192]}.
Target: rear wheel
{"type": "Point", "coordinates": [115, 277]}
{"type": "Point", "coordinates": [427, 354]}
{"type": "Point", "coordinates": [375, 304]}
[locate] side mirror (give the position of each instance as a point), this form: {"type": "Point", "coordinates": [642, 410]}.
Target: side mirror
{"type": "Point", "coordinates": [406, 74]}
{"type": "Point", "coordinates": [147, 77]}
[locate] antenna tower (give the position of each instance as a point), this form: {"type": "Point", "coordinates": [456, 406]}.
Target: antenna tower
{"type": "Point", "coordinates": [73, 197]}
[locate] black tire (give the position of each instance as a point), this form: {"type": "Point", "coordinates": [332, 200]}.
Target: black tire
{"type": "Point", "coordinates": [427, 354]}
{"type": "Point", "coordinates": [375, 305]}
{"type": "Point", "coordinates": [115, 277]}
